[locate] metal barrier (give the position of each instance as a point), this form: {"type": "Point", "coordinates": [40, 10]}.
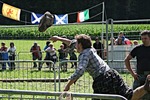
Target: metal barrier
{"type": "Point", "coordinates": [44, 95]}
{"type": "Point", "coordinates": [27, 53]}
{"type": "Point", "coordinates": [25, 77]}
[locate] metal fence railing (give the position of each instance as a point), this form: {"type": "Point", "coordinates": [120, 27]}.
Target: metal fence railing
{"type": "Point", "coordinates": [25, 77]}
{"type": "Point", "coordinates": [44, 95]}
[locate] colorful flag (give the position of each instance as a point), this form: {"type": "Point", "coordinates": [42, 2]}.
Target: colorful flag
{"type": "Point", "coordinates": [82, 16]}
{"type": "Point", "coordinates": [35, 18]}
{"type": "Point", "coordinates": [61, 19]}
{"type": "Point", "coordinates": [11, 12]}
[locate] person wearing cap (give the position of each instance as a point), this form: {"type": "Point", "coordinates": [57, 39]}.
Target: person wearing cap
{"type": "Point", "coordinates": [105, 79]}
{"type": "Point", "coordinates": [36, 54]}
{"type": "Point", "coordinates": [135, 42]}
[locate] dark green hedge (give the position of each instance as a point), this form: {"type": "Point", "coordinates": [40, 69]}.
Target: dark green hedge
{"type": "Point", "coordinates": [22, 32]}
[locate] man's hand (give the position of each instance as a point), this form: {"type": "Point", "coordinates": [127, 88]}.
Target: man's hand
{"type": "Point", "coordinates": [67, 88]}
{"type": "Point", "coordinates": [135, 76]}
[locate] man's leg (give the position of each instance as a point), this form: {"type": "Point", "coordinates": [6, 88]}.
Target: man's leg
{"type": "Point", "coordinates": [142, 90]}
{"type": "Point", "coordinates": [40, 64]}
{"type": "Point", "coordinates": [34, 63]}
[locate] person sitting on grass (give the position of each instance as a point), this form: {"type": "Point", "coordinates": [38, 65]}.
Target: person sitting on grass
{"type": "Point", "coordinates": [106, 80]}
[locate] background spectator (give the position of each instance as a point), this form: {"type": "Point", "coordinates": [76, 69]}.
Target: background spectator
{"type": "Point", "coordinates": [47, 53]}
{"type": "Point", "coordinates": [73, 56]}
{"type": "Point", "coordinates": [118, 41]}
{"type": "Point", "coordinates": [112, 41]}
{"type": "Point", "coordinates": [4, 55]}
{"type": "Point", "coordinates": [52, 53]}
{"type": "Point", "coordinates": [36, 54]}
{"type": "Point", "coordinates": [121, 39]}
{"type": "Point", "coordinates": [127, 41]}
{"type": "Point", "coordinates": [99, 47]}
{"type": "Point", "coordinates": [11, 52]}
{"type": "Point", "coordinates": [62, 56]}
{"type": "Point", "coordinates": [135, 42]}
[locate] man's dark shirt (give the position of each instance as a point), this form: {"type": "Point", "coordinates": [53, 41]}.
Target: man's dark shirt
{"type": "Point", "coordinates": [142, 54]}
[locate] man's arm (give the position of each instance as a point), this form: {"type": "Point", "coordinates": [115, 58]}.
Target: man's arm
{"type": "Point", "coordinates": [70, 82]}
{"type": "Point", "coordinates": [64, 40]}
{"type": "Point", "coordinates": [128, 66]}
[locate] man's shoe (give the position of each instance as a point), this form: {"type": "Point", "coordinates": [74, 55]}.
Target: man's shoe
{"type": "Point", "coordinates": [147, 85]}
{"type": "Point", "coordinates": [46, 21]}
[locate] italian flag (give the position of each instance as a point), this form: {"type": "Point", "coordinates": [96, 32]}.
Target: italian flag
{"type": "Point", "coordinates": [82, 16]}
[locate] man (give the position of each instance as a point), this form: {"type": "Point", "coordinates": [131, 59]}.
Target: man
{"type": "Point", "coordinates": [99, 47]}
{"type": "Point", "coordinates": [106, 80]}
{"type": "Point", "coordinates": [142, 54]}
{"type": "Point", "coordinates": [36, 54]}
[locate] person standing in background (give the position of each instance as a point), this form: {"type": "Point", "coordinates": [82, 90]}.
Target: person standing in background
{"type": "Point", "coordinates": [52, 54]}
{"type": "Point", "coordinates": [135, 42]}
{"type": "Point", "coordinates": [73, 56]}
{"type": "Point", "coordinates": [62, 57]}
{"type": "Point", "coordinates": [99, 47]}
{"type": "Point", "coordinates": [11, 52]}
{"type": "Point", "coordinates": [121, 37]}
{"type": "Point", "coordinates": [36, 54]}
{"type": "Point", "coordinates": [142, 54]}
{"type": "Point", "coordinates": [47, 54]}
{"type": "Point", "coordinates": [4, 54]}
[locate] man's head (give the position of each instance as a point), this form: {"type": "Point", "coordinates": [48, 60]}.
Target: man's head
{"type": "Point", "coordinates": [83, 42]}
{"type": "Point", "coordinates": [145, 37]}
{"type": "Point", "coordinates": [35, 44]}
{"type": "Point", "coordinates": [48, 42]}
{"type": "Point", "coordinates": [11, 44]}
{"type": "Point", "coordinates": [3, 44]}
{"type": "Point", "coordinates": [97, 39]}
{"type": "Point", "coordinates": [51, 45]}
{"type": "Point", "coordinates": [135, 42]}
{"type": "Point", "coordinates": [62, 46]}
{"type": "Point", "coordinates": [121, 34]}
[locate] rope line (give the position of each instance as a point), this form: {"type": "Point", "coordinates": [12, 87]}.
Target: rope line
{"type": "Point", "coordinates": [67, 13]}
